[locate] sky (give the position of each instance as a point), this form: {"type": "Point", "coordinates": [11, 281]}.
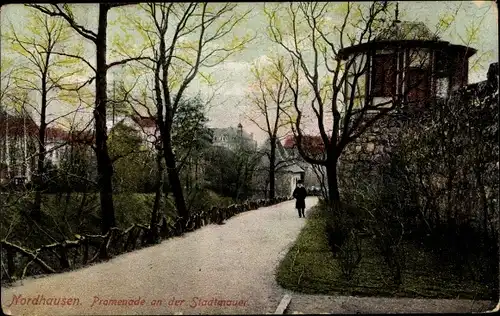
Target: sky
{"type": "Point", "coordinates": [230, 105]}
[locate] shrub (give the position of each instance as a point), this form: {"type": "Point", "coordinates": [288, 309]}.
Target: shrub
{"type": "Point", "coordinates": [381, 205]}
{"type": "Point", "coordinates": [337, 230]}
{"type": "Point", "coordinates": [350, 255]}
{"type": "Point", "coordinates": [388, 232]}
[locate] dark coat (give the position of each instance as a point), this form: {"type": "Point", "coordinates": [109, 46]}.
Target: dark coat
{"type": "Point", "coordinates": [300, 195]}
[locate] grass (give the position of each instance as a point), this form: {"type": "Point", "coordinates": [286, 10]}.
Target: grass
{"type": "Point", "coordinates": [309, 267]}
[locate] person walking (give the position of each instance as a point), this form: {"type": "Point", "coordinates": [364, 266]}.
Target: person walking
{"type": "Point", "coordinates": [300, 194]}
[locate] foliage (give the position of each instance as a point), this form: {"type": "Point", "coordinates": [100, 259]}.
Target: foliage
{"type": "Point", "coordinates": [317, 78]}
{"type": "Point", "coordinates": [453, 164]}
{"type": "Point", "coordinates": [77, 170]}
{"type": "Point", "coordinates": [269, 95]}
{"type": "Point", "coordinates": [66, 214]}
{"type": "Point", "coordinates": [230, 172]}
{"type": "Point", "coordinates": [133, 163]}
{"type": "Point", "coordinates": [221, 174]}
{"type": "Point", "coordinates": [453, 170]}
{"type": "Point", "coordinates": [350, 255]}
{"type": "Point", "coordinates": [41, 67]}
{"type": "Point", "coordinates": [190, 129]}
{"type": "Point", "coordinates": [181, 39]}
{"type": "Point", "coordinates": [201, 199]}
{"type": "Point", "coordinates": [191, 139]}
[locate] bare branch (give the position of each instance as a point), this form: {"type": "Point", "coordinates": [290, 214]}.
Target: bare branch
{"type": "Point", "coordinates": [58, 12]}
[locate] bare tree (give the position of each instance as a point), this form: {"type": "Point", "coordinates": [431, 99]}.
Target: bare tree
{"type": "Point", "coordinates": [269, 95]}
{"type": "Point", "coordinates": [43, 72]}
{"type": "Point", "coordinates": [188, 126]}
{"type": "Point", "coordinates": [99, 39]}
{"type": "Point", "coordinates": [183, 38]}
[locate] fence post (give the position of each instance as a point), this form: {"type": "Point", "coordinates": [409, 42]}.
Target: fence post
{"type": "Point", "coordinates": [85, 250]}
{"type": "Point", "coordinates": [11, 268]}
{"type": "Point", "coordinates": [64, 256]}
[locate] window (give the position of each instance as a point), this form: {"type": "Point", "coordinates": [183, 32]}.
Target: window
{"type": "Point", "coordinates": [417, 84]}
{"type": "Point", "coordinates": [383, 76]}
{"type": "Point", "coordinates": [419, 58]}
{"type": "Point", "coordinates": [441, 62]}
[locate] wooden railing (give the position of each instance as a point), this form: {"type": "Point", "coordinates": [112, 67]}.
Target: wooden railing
{"type": "Point", "coordinates": [87, 249]}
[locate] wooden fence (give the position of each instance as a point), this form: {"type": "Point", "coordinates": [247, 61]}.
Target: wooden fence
{"type": "Point", "coordinates": [87, 249]}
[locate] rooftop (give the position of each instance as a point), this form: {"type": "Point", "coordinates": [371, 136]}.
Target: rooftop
{"type": "Point", "coordinates": [408, 34]}
{"type": "Point", "coordinates": [17, 125]}
{"type": "Point", "coordinates": [406, 31]}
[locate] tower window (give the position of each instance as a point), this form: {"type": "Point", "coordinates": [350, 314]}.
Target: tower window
{"type": "Point", "coordinates": [383, 76]}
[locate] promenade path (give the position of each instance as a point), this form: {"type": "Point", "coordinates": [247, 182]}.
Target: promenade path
{"type": "Point", "coordinates": [233, 262]}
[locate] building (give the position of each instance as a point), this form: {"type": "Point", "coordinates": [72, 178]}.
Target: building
{"type": "Point", "coordinates": [17, 146]}
{"type": "Point", "coordinates": [231, 137]}
{"type": "Point", "coordinates": [144, 125]}
{"type": "Point", "coordinates": [287, 170]}
{"type": "Point", "coordinates": [405, 67]}
{"type": "Point", "coordinates": [313, 145]}
{"type": "Point", "coordinates": [19, 136]}
{"type": "Point", "coordinates": [408, 64]}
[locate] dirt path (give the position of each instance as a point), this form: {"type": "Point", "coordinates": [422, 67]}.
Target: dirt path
{"type": "Point", "coordinates": [234, 262]}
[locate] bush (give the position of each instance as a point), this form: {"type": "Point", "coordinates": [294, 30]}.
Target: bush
{"type": "Point", "coordinates": [199, 199]}
{"type": "Point", "coordinates": [387, 204]}
{"type": "Point", "coordinates": [350, 255]}
{"type": "Point", "coordinates": [382, 207]}
{"type": "Point", "coordinates": [132, 208]}
{"type": "Point", "coordinates": [388, 232]}
{"type": "Point", "coordinates": [343, 239]}
{"type": "Point", "coordinates": [337, 230]}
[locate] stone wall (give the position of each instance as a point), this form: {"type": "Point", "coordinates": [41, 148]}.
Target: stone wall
{"type": "Point", "coordinates": [374, 146]}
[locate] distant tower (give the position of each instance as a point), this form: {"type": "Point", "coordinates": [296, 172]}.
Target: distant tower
{"type": "Point", "coordinates": [240, 130]}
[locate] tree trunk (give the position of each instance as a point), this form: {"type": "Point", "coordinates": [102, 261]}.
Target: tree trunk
{"type": "Point", "coordinates": [153, 237]}
{"type": "Point", "coordinates": [104, 164]}
{"type": "Point", "coordinates": [332, 181]}
{"type": "Point", "coordinates": [36, 213]}
{"type": "Point", "coordinates": [272, 166]}
{"type": "Point", "coordinates": [165, 125]}
{"type": "Point", "coordinates": [173, 178]}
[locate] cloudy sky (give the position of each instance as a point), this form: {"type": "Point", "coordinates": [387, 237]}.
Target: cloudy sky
{"type": "Point", "coordinates": [230, 105]}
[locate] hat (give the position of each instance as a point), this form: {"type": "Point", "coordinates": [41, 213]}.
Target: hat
{"type": "Point", "coordinates": [300, 182]}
